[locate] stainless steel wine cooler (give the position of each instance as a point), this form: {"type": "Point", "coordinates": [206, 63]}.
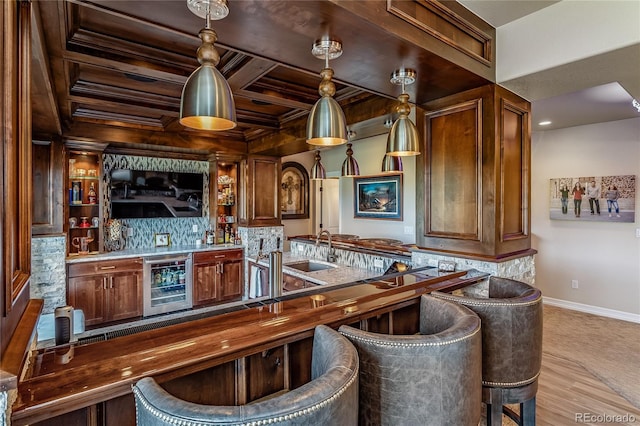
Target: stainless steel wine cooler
{"type": "Point", "coordinates": [167, 284]}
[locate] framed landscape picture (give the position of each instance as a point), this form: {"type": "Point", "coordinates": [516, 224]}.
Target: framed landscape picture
{"type": "Point", "coordinates": [593, 198]}
{"type": "Point", "coordinates": [378, 197]}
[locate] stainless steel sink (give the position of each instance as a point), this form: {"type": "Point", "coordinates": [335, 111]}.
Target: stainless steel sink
{"type": "Point", "coordinates": [310, 266]}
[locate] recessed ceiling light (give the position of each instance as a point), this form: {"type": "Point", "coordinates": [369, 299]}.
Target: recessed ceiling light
{"type": "Point", "coordinates": [544, 123]}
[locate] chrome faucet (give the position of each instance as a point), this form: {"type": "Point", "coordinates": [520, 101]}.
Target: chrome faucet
{"type": "Point", "coordinates": [331, 257]}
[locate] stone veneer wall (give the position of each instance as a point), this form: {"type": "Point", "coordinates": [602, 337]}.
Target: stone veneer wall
{"type": "Point", "coordinates": [3, 408]}
{"type": "Point", "coordinates": [346, 257]}
{"type": "Point", "coordinates": [48, 271]}
{"type": "Point", "coordinates": [250, 237]}
{"type": "Point", "coordinates": [521, 269]}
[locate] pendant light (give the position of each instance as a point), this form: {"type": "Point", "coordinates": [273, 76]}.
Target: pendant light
{"type": "Point", "coordinates": [391, 163]}
{"type": "Point", "coordinates": [317, 171]}
{"type": "Point", "coordinates": [326, 125]}
{"type": "Point", "coordinates": [403, 138]}
{"type": "Point", "coordinates": [350, 165]}
{"type": "Point", "coordinates": [207, 102]}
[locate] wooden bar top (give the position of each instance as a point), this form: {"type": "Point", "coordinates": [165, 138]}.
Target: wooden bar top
{"type": "Point", "coordinates": [70, 377]}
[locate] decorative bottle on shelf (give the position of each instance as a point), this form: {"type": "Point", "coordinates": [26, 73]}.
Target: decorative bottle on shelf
{"type": "Point", "coordinates": [209, 236]}
{"type": "Point", "coordinates": [93, 197]}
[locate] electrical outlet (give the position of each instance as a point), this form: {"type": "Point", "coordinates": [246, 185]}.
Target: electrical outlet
{"type": "Point", "coordinates": [378, 263]}
{"type": "Point", "coordinates": [637, 232]}
{"type": "Point", "coordinates": [408, 230]}
{"type": "Point", "coordinates": [574, 283]}
{"type": "Point", "coordinates": [194, 229]}
{"type": "Point", "coordinates": [129, 231]}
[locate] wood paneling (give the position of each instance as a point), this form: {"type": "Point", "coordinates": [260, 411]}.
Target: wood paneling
{"type": "Point", "coordinates": [213, 386]}
{"type": "Point", "coordinates": [453, 181]}
{"type": "Point", "coordinates": [47, 172]}
{"type": "Point", "coordinates": [474, 179]}
{"type": "Point", "coordinates": [217, 276]}
{"type": "Point", "coordinates": [15, 158]}
{"type": "Point", "coordinates": [265, 373]}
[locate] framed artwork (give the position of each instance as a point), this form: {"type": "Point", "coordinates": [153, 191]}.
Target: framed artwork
{"type": "Point", "coordinates": [593, 198]}
{"type": "Point", "coordinates": [162, 240]}
{"type": "Point", "coordinates": [294, 191]}
{"type": "Point", "coordinates": [378, 197]}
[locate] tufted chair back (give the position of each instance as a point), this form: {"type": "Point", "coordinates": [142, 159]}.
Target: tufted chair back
{"type": "Point", "coordinates": [329, 398]}
{"type": "Point", "coordinates": [511, 331]}
{"type": "Point", "coordinates": [432, 378]}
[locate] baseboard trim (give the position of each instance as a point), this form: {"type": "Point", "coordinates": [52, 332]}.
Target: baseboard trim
{"type": "Point", "coordinates": [590, 309]}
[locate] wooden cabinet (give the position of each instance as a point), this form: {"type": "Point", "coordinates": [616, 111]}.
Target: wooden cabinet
{"type": "Point", "coordinates": [106, 291]}
{"type": "Point", "coordinates": [83, 218]}
{"type": "Point", "coordinates": [473, 178]}
{"type": "Point", "coordinates": [217, 276]}
{"type": "Point", "coordinates": [290, 283]}
{"type": "Point", "coordinates": [260, 191]}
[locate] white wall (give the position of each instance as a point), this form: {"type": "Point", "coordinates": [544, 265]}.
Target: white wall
{"type": "Point", "coordinates": [603, 257]}
{"type": "Point", "coordinates": [565, 32]}
{"type": "Point", "coordinates": [369, 153]}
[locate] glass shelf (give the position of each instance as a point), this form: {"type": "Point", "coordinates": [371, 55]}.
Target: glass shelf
{"type": "Point", "coordinates": [83, 227]}
{"type": "Point", "coordinates": [84, 177]}
{"type": "Point", "coordinates": [83, 205]}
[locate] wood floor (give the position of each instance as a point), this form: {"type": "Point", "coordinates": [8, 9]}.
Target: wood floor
{"type": "Point", "coordinates": [567, 390]}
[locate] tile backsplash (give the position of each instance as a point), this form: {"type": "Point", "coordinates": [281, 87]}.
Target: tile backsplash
{"type": "Point", "coordinates": [143, 230]}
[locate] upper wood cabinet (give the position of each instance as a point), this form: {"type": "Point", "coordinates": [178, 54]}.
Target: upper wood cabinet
{"type": "Point", "coordinates": [474, 174]}
{"type": "Point", "coordinates": [260, 191]}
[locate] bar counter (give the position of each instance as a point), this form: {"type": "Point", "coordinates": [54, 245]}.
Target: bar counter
{"type": "Point", "coordinates": [67, 378]}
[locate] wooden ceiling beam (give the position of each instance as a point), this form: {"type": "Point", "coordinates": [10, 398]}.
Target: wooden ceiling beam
{"type": "Point", "coordinates": [181, 140]}
{"type": "Point", "coordinates": [291, 139]}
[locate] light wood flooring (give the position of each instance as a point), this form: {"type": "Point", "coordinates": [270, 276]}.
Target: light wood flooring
{"type": "Point", "coordinates": [566, 388]}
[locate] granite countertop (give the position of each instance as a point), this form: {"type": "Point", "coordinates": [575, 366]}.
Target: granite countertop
{"type": "Point", "coordinates": [149, 251]}
{"type": "Point", "coordinates": [337, 274]}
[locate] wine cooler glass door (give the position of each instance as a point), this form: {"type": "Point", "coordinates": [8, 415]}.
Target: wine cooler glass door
{"type": "Point", "coordinates": [167, 284]}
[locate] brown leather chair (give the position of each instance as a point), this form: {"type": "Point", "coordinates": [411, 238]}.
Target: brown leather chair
{"type": "Point", "coordinates": [511, 347]}
{"type": "Point", "coordinates": [329, 398]}
{"type": "Point", "coordinates": [431, 378]}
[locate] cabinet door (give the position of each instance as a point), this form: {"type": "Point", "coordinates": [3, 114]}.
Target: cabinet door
{"type": "Point", "coordinates": [231, 280]}
{"type": "Point", "coordinates": [87, 293]}
{"type": "Point", "coordinates": [124, 296]}
{"type": "Point", "coordinates": [290, 283]}
{"type": "Point", "coordinates": [204, 283]}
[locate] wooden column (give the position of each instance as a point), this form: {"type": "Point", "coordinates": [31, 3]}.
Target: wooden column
{"type": "Point", "coordinates": [474, 174]}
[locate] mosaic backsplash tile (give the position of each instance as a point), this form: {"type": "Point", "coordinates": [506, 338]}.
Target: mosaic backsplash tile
{"type": "Point", "coordinates": [180, 229]}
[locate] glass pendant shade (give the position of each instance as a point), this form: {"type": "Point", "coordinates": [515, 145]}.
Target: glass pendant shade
{"type": "Point", "coordinates": [391, 163]}
{"type": "Point", "coordinates": [326, 125]}
{"type": "Point", "coordinates": [318, 171]}
{"type": "Point", "coordinates": [207, 102]}
{"type": "Point", "coordinates": [350, 165]}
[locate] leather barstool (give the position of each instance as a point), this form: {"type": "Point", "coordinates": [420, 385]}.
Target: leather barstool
{"type": "Point", "coordinates": [329, 398]}
{"type": "Point", "coordinates": [511, 347]}
{"type": "Point", "coordinates": [430, 378]}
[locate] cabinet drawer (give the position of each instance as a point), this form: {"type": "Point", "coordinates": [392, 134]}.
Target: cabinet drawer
{"type": "Point", "coordinates": [104, 267]}
{"type": "Point", "coordinates": [205, 257]}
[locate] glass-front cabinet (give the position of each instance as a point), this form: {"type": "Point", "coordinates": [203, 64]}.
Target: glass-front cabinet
{"type": "Point", "coordinates": [82, 202]}
{"type": "Point", "coordinates": [226, 201]}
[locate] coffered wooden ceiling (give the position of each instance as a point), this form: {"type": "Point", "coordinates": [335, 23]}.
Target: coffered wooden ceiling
{"type": "Point", "coordinates": [112, 71]}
